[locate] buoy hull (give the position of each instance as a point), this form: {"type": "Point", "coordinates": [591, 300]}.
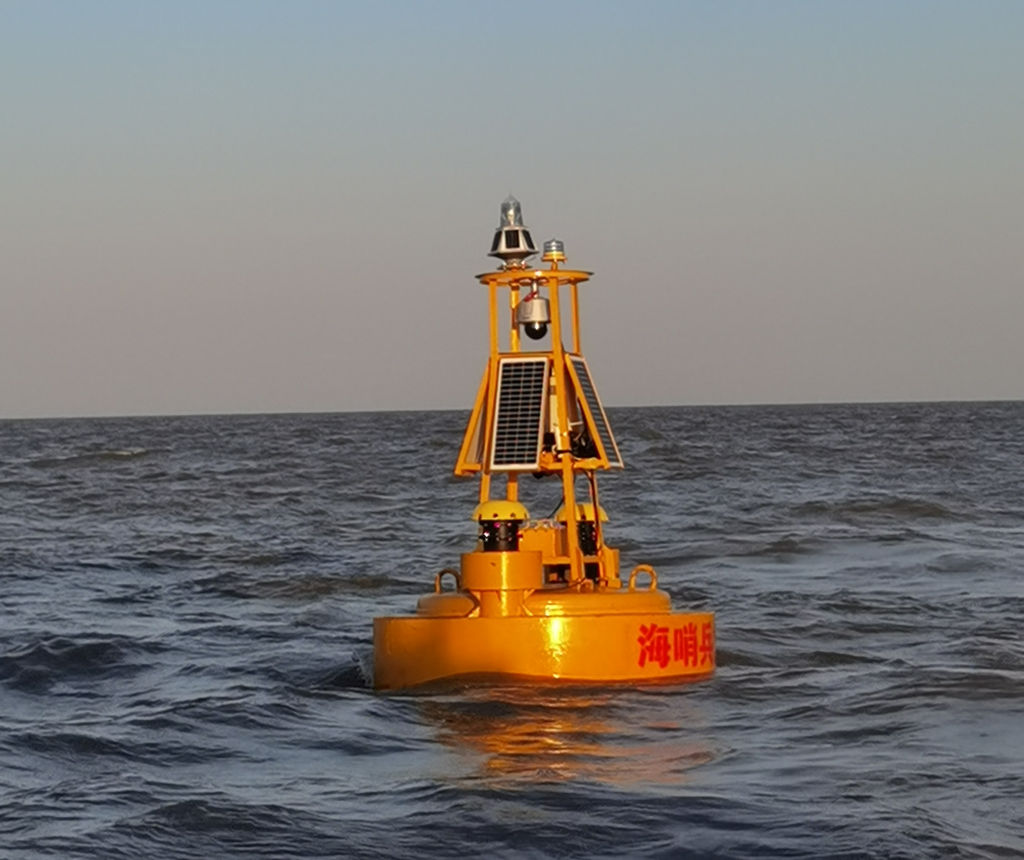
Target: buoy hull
{"type": "Point", "coordinates": [638, 648]}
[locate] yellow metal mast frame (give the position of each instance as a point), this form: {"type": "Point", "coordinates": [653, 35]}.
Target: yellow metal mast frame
{"type": "Point", "coordinates": [566, 403]}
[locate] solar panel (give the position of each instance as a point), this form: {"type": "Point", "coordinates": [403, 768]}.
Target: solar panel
{"type": "Point", "coordinates": [519, 413]}
{"type": "Point", "coordinates": [593, 404]}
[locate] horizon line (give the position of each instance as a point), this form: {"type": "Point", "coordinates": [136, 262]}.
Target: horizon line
{"type": "Point", "coordinates": [312, 412]}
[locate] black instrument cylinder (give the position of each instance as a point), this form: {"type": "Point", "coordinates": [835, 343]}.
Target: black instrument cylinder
{"type": "Point", "coordinates": [499, 535]}
{"type": "Point", "coordinates": [588, 537]}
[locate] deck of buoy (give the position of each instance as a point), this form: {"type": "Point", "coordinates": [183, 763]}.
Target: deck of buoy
{"type": "Point", "coordinates": [600, 647]}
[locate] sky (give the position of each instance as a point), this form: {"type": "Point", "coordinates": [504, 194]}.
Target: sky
{"type": "Point", "coordinates": [231, 206]}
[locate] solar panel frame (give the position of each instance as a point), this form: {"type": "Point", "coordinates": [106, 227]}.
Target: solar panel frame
{"type": "Point", "coordinates": [592, 404]}
{"type": "Point", "coordinates": [520, 405]}
{"type": "Point", "coordinates": [471, 452]}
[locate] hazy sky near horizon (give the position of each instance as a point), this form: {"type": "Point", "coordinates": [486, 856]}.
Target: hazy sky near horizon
{"type": "Point", "coordinates": [245, 206]}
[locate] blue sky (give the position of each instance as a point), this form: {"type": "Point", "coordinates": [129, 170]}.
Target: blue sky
{"type": "Point", "coordinates": [254, 206]}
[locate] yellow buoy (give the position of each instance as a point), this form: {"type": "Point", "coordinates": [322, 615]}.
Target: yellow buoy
{"type": "Point", "coordinates": [540, 600]}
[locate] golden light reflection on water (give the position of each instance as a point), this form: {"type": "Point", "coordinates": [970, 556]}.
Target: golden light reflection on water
{"type": "Point", "coordinates": [554, 734]}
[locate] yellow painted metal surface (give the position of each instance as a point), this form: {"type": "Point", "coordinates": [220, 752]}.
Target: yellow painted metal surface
{"type": "Point", "coordinates": [586, 649]}
{"type": "Point", "coordinates": [541, 634]}
{"type": "Point", "coordinates": [502, 571]}
{"type": "Point", "coordinates": [568, 601]}
{"type": "Point", "coordinates": [546, 537]}
{"type": "Point", "coordinates": [500, 509]}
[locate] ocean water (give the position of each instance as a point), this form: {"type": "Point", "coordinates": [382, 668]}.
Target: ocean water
{"type": "Point", "coordinates": [185, 626]}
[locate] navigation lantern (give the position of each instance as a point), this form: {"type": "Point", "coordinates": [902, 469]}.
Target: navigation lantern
{"type": "Point", "coordinates": [512, 241]}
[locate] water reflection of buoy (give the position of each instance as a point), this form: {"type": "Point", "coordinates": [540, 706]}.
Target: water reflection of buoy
{"type": "Point", "coordinates": [544, 735]}
{"type": "Point", "coordinates": [540, 599]}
